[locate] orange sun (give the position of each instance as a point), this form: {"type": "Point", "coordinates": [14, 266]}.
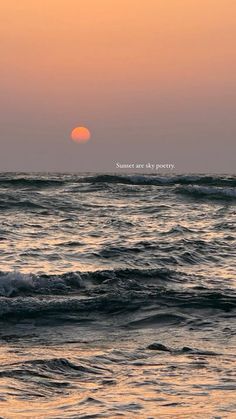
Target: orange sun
{"type": "Point", "coordinates": [80, 134]}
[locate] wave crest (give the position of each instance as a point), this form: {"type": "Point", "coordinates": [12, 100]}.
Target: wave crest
{"type": "Point", "coordinates": [208, 192]}
{"type": "Point", "coordinates": [162, 180]}
{"type": "Point", "coordinates": [108, 292]}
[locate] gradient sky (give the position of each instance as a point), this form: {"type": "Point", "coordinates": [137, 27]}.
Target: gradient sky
{"type": "Point", "coordinates": [154, 80]}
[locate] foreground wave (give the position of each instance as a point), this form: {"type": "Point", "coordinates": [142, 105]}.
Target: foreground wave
{"type": "Point", "coordinates": [111, 292]}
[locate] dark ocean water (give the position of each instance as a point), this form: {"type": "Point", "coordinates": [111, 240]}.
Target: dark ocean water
{"type": "Point", "coordinates": [117, 296]}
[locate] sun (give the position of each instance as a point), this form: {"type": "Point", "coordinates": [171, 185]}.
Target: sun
{"type": "Point", "coordinates": [80, 135]}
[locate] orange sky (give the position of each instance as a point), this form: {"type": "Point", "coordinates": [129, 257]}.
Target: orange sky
{"type": "Point", "coordinates": [106, 62]}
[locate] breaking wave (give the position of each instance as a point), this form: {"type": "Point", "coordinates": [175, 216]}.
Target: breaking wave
{"type": "Point", "coordinates": [210, 192]}
{"type": "Point", "coordinates": [109, 292]}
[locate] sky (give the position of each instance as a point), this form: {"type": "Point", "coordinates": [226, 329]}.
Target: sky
{"type": "Point", "coordinates": [153, 80]}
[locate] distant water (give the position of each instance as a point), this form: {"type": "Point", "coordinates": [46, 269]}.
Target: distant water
{"type": "Point", "coordinates": [117, 296]}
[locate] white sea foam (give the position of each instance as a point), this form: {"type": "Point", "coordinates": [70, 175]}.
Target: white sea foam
{"type": "Point", "coordinates": [210, 190]}
{"type": "Point", "coordinates": [13, 282]}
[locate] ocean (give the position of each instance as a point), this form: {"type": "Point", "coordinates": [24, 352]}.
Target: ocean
{"type": "Point", "coordinates": [117, 296]}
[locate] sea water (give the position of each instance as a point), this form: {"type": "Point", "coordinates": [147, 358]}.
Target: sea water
{"type": "Point", "coordinates": [117, 296]}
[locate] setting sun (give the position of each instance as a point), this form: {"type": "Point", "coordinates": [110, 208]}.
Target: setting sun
{"type": "Point", "coordinates": [80, 135]}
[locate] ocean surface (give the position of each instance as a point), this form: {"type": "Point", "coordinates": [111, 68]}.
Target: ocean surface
{"type": "Point", "coordinates": [117, 296]}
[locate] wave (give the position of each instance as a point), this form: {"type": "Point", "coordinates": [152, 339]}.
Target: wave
{"type": "Point", "coordinates": [28, 182]}
{"type": "Point", "coordinates": [45, 367]}
{"type": "Point", "coordinates": [52, 376]}
{"type": "Point", "coordinates": [208, 192]}
{"type": "Point", "coordinates": [162, 180]}
{"type": "Point", "coordinates": [14, 284]}
{"type": "Point", "coordinates": [86, 295]}
{"type": "Point", "coordinates": [9, 203]}
{"type": "Point", "coordinates": [45, 181]}
{"type": "Point", "coordinates": [185, 350]}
